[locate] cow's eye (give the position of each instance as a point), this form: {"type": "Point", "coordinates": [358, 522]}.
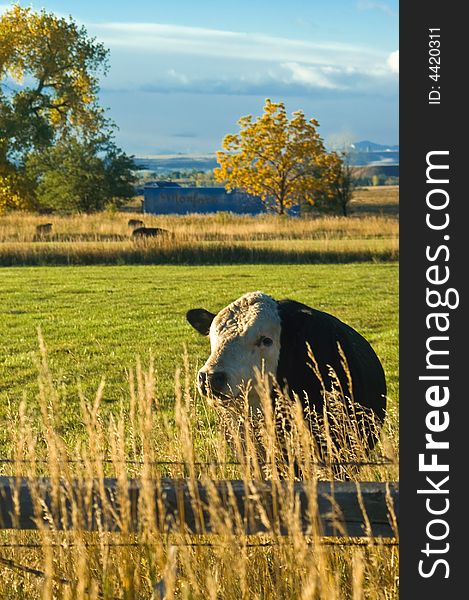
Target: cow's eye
{"type": "Point", "coordinates": [266, 341]}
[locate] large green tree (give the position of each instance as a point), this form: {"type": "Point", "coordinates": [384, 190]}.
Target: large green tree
{"type": "Point", "coordinates": [72, 176]}
{"type": "Point", "coordinates": [49, 75]}
{"type": "Point", "coordinates": [282, 160]}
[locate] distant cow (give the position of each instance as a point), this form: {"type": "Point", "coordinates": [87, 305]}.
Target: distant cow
{"type": "Point", "coordinates": [135, 223]}
{"type": "Point", "coordinates": [257, 334]}
{"type": "Point", "coordinates": [43, 228]}
{"type": "Point", "coordinates": [42, 231]}
{"type": "Point", "coordinates": [146, 232]}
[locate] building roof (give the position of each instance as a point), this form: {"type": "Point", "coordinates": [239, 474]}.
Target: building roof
{"type": "Point", "coordinates": [166, 184]}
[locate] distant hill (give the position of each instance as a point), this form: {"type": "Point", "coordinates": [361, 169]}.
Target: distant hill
{"type": "Point", "coordinates": [361, 154]}
{"type": "Point", "coordinates": [366, 153]}
{"type": "Point", "coordinates": [364, 159]}
{"type": "Point", "coordinates": [367, 146]}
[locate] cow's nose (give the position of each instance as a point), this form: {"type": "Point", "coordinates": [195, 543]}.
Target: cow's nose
{"type": "Point", "coordinates": [214, 381]}
{"type": "Point", "coordinates": [217, 381]}
{"type": "Point", "coordinates": [202, 379]}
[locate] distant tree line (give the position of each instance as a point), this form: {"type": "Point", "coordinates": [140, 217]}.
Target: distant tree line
{"type": "Point", "coordinates": [57, 149]}
{"type": "Point", "coordinates": [186, 177]}
{"type": "Point", "coordinates": [375, 179]}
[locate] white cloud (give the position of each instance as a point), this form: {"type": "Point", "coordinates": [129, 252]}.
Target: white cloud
{"type": "Point", "coordinates": [178, 77]}
{"type": "Point", "coordinates": [393, 61]}
{"type": "Point", "coordinates": [198, 41]}
{"type": "Point", "coordinates": [278, 80]}
{"type": "Point", "coordinates": [310, 76]}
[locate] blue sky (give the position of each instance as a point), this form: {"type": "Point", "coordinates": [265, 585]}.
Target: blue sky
{"type": "Point", "coordinates": [183, 72]}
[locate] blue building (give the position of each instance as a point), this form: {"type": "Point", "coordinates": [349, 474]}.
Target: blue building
{"type": "Point", "coordinates": [164, 199]}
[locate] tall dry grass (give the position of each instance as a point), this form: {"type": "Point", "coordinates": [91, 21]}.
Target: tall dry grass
{"type": "Point", "coordinates": [196, 239]}
{"type": "Point", "coordinates": [149, 564]}
{"type": "Point", "coordinates": [21, 227]}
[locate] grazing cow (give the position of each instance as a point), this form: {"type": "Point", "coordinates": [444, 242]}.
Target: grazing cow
{"type": "Point", "coordinates": [43, 229]}
{"type": "Point", "coordinates": [135, 223]}
{"type": "Point", "coordinates": [43, 232]}
{"type": "Point", "coordinates": [146, 232]}
{"type": "Point", "coordinates": [257, 334]}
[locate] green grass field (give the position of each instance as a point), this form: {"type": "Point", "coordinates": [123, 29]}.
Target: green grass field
{"type": "Point", "coordinates": [97, 320]}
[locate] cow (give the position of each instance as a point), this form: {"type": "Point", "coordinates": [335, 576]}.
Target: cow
{"type": "Point", "coordinates": [298, 349]}
{"type": "Point", "coordinates": [135, 223]}
{"type": "Point", "coordinates": [43, 231]}
{"type": "Point", "coordinates": [148, 232]}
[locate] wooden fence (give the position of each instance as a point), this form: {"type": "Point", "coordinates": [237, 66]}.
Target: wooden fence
{"type": "Point", "coordinates": [339, 509]}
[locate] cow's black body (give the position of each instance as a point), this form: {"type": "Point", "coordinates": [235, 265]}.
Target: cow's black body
{"type": "Point", "coordinates": [303, 326]}
{"type": "Point", "coordinates": [145, 232]}
{"type": "Point", "coordinates": [135, 223]}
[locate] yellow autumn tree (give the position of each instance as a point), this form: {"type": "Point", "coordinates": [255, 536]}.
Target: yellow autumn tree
{"type": "Point", "coordinates": [12, 193]}
{"type": "Point", "coordinates": [48, 90]}
{"type": "Point", "coordinates": [14, 184]}
{"type": "Point", "coordinates": [282, 160]}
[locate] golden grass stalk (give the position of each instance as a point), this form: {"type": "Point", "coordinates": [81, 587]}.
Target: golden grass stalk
{"type": "Point", "coordinates": [105, 238]}
{"type": "Point", "coordinates": [143, 562]}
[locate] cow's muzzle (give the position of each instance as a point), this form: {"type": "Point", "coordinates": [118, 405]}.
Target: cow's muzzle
{"type": "Point", "coordinates": [213, 382]}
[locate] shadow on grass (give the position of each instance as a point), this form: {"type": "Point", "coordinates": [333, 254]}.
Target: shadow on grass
{"type": "Point", "coordinates": [148, 254]}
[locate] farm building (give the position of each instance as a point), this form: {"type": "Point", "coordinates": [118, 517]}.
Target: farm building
{"type": "Point", "coordinates": [168, 199]}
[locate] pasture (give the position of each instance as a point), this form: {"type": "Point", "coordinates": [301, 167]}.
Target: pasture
{"type": "Point", "coordinates": [97, 320]}
{"type": "Point", "coordinates": [370, 234]}
{"type": "Point", "coordinates": [114, 391]}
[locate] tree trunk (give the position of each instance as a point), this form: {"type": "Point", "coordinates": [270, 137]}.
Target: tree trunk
{"type": "Point", "coordinates": [280, 206]}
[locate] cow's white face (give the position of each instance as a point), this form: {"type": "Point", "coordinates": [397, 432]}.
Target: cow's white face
{"type": "Point", "coordinates": [245, 344]}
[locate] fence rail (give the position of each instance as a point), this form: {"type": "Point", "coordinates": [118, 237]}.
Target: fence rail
{"type": "Point", "coordinates": [338, 509]}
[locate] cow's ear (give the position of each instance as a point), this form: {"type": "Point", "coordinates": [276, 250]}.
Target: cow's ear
{"type": "Point", "coordinates": [200, 319]}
